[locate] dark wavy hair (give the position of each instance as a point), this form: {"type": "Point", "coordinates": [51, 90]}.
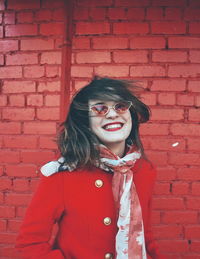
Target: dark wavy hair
{"type": "Point", "coordinates": [77, 143]}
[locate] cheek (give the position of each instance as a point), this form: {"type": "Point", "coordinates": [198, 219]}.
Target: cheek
{"type": "Point", "coordinates": [93, 121]}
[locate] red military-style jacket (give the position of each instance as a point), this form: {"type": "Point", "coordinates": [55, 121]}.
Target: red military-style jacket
{"type": "Point", "coordinates": [82, 204]}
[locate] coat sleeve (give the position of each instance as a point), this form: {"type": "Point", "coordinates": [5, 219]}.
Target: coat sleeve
{"type": "Point", "coordinates": [44, 211]}
{"type": "Point", "coordinates": [151, 243]}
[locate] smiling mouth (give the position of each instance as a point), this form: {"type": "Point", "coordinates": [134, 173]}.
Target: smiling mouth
{"type": "Point", "coordinates": [113, 127]}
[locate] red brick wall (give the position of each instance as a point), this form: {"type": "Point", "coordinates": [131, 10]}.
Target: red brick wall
{"type": "Point", "coordinates": [154, 41]}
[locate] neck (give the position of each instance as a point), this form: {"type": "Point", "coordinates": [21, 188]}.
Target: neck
{"type": "Point", "coordinates": [117, 148]}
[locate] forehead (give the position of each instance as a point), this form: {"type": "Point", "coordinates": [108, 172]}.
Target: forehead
{"type": "Point", "coordinates": [98, 101]}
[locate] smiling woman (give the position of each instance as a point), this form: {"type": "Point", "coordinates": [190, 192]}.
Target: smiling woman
{"type": "Point", "coordinates": [99, 191]}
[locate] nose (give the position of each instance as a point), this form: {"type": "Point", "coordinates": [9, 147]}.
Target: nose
{"type": "Point", "coordinates": [111, 113]}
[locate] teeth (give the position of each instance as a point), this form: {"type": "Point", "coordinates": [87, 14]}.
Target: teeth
{"type": "Point", "coordinates": [113, 126]}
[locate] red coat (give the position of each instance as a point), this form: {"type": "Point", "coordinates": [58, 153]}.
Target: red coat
{"type": "Point", "coordinates": [74, 201]}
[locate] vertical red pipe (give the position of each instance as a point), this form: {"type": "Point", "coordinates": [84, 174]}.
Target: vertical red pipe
{"type": "Point", "coordinates": [66, 59]}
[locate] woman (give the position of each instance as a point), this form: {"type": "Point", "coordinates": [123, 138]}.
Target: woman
{"type": "Point", "coordinates": [99, 191]}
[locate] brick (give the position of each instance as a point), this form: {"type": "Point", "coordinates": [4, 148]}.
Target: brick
{"type": "Point", "coordinates": [2, 5]}
{"type": "Point", "coordinates": [34, 71]}
{"type": "Point", "coordinates": [194, 3]}
{"type": "Point", "coordinates": [93, 57]}
{"type": "Point", "coordinates": [58, 14]}
{"type": "Point", "coordinates": [51, 58]}
{"type": "Point", "coordinates": [5, 184]}
{"type": "Point", "coordinates": [35, 100]}
{"type": "Point", "coordinates": [53, 28]}
{"type": "Point", "coordinates": [184, 159]}
{"type": "Point", "coordinates": [10, 128]}
{"type": "Point", "coordinates": [97, 14]}
{"type": "Point", "coordinates": [130, 56]}
{"type": "Point", "coordinates": [81, 13]}
{"type": "Point", "coordinates": [7, 211]}
{"type": "Point", "coordinates": [21, 185]}
{"type": "Point", "coordinates": [177, 247]}
{"type": "Point", "coordinates": [40, 127]}
{"type": "Point", "coordinates": [193, 203]}
{"type": "Point", "coordinates": [192, 232]}
{"type": "Point", "coordinates": [23, 4]}
{"type": "Point", "coordinates": [194, 86]}
{"type": "Point", "coordinates": [116, 13]}
{"type": "Point", "coordinates": [169, 3]}
{"type": "Point", "coordinates": [81, 71]}
{"type": "Point", "coordinates": [52, 71]}
{"type": "Point", "coordinates": [185, 99]}
{"type": "Point", "coordinates": [154, 129]}
{"type": "Point", "coordinates": [174, 85]}
{"type": "Point", "coordinates": [1, 31]}
{"type": "Point", "coordinates": [132, 3]}
{"type": "Point", "coordinates": [34, 184]}
{"type": "Point", "coordinates": [193, 144]}
{"type": "Point", "coordinates": [10, 72]}
{"type": "Point", "coordinates": [20, 30]}
{"type": "Point", "coordinates": [109, 43]}
{"type": "Point", "coordinates": [149, 98]}
{"type": "Point", "coordinates": [191, 14]}
{"type": "Point", "coordinates": [154, 13]}
{"type": "Point", "coordinates": [184, 42]}
{"type": "Point", "coordinates": [180, 217]}
{"type": "Point", "coordinates": [197, 101]}
{"type": "Point", "coordinates": [196, 188]}
{"type": "Point", "coordinates": [188, 173]}
{"type": "Point", "coordinates": [47, 142]}
{"type": "Point", "coordinates": [9, 156]}
{"type": "Point", "coordinates": [168, 231]}
{"type": "Point", "coordinates": [1, 59]}
{"type": "Point", "coordinates": [43, 15]}
{"type": "Point", "coordinates": [3, 100]}
{"type": "Point", "coordinates": [157, 158]}
{"type": "Point", "coordinates": [37, 44]}
{"type": "Point", "coordinates": [52, 4]}
{"type": "Point", "coordinates": [112, 70]}
{"type": "Point", "coordinates": [185, 129]}
{"type": "Point", "coordinates": [21, 170]}
{"type": "Point", "coordinates": [164, 143]}
{"type": "Point", "coordinates": [52, 100]}
{"type": "Point", "coordinates": [35, 157]}
{"type": "Point", "coordinates": [94, 3]}
{"type": "Point", "coordinates": [14, 225]}
{"type": "Point", "coordinates": [194, 115]}
{"type": "Point", "coordinates": [167, 173]}
{"type": "Point", "coordinates": [18, 87]}
{"type": "Point", "coordinates": [20, 211]}
{"type": "Point", "coordinates": [48, 113]}
{"type": "Point", "coordinates": [92, 28]}
{"type": "Point", "coordinates": [20, 141]}
{"type": "Point", "coordinates": [3, 225]}
{"type": "Point", "coordinates": [168, 203]}
{"type": "Point", "coordinates": [18, 114]}
{"type": "Point", "coordinates": [188, 70]}
{"type": "Point", "coordinates": [194, 56]}
{"type": "Point", "coordinates": [21, 59]}
{"type": "Point", "coordinates": [147, 71]}
{"type": "Point", "coordinates": [162, 189]}
{"type": "Point", "coordinates": [169, 56]}
{"type": "Point", "coordinates": [180, 188]}
{"type": "Point", "coordinates": [172, 13]}
{"type": "Point", "coordinates": [9, 17]}
{"type": "Point", "coordinates": [168, 27]}
{"type": "Point", "coordinates": [194, 27]}
{"type": "Point", "coordinates": [25, 17]}
{"type": "Point", "coordinates": [17, 199]}
{"type": "Point", "coordinates": [167, 114]}
{"type": "Point", "coordinates": [130, 28]}
{"type": "Point", "coordinates": [167, 99]}
{"type": "Point", "coordinates": [81, 43]}
{"type": "Point", "coordinates": [17, 100]}
{"type": "Point", "coordinates": [53, 86]}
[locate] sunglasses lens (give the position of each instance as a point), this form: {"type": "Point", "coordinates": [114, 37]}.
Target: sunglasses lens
{"type": "Point", "coordinates": [99, 109]}
{"type": "Point", "coordinates": [122, 107]}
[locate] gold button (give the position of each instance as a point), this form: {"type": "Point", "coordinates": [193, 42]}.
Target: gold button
{"type": "Point", "coordinates": [107, 221]}
{"type": "Point", "coordinates": [98, 183]}
{"type": "Point", "coordinates": [108, 256]}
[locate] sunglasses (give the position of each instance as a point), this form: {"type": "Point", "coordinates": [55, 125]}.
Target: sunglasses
{"type": "Point", "coordinates": [103, 109]}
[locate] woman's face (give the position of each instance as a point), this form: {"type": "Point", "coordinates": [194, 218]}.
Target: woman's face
{"type": "Point", "coordinates": [112, 128]}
